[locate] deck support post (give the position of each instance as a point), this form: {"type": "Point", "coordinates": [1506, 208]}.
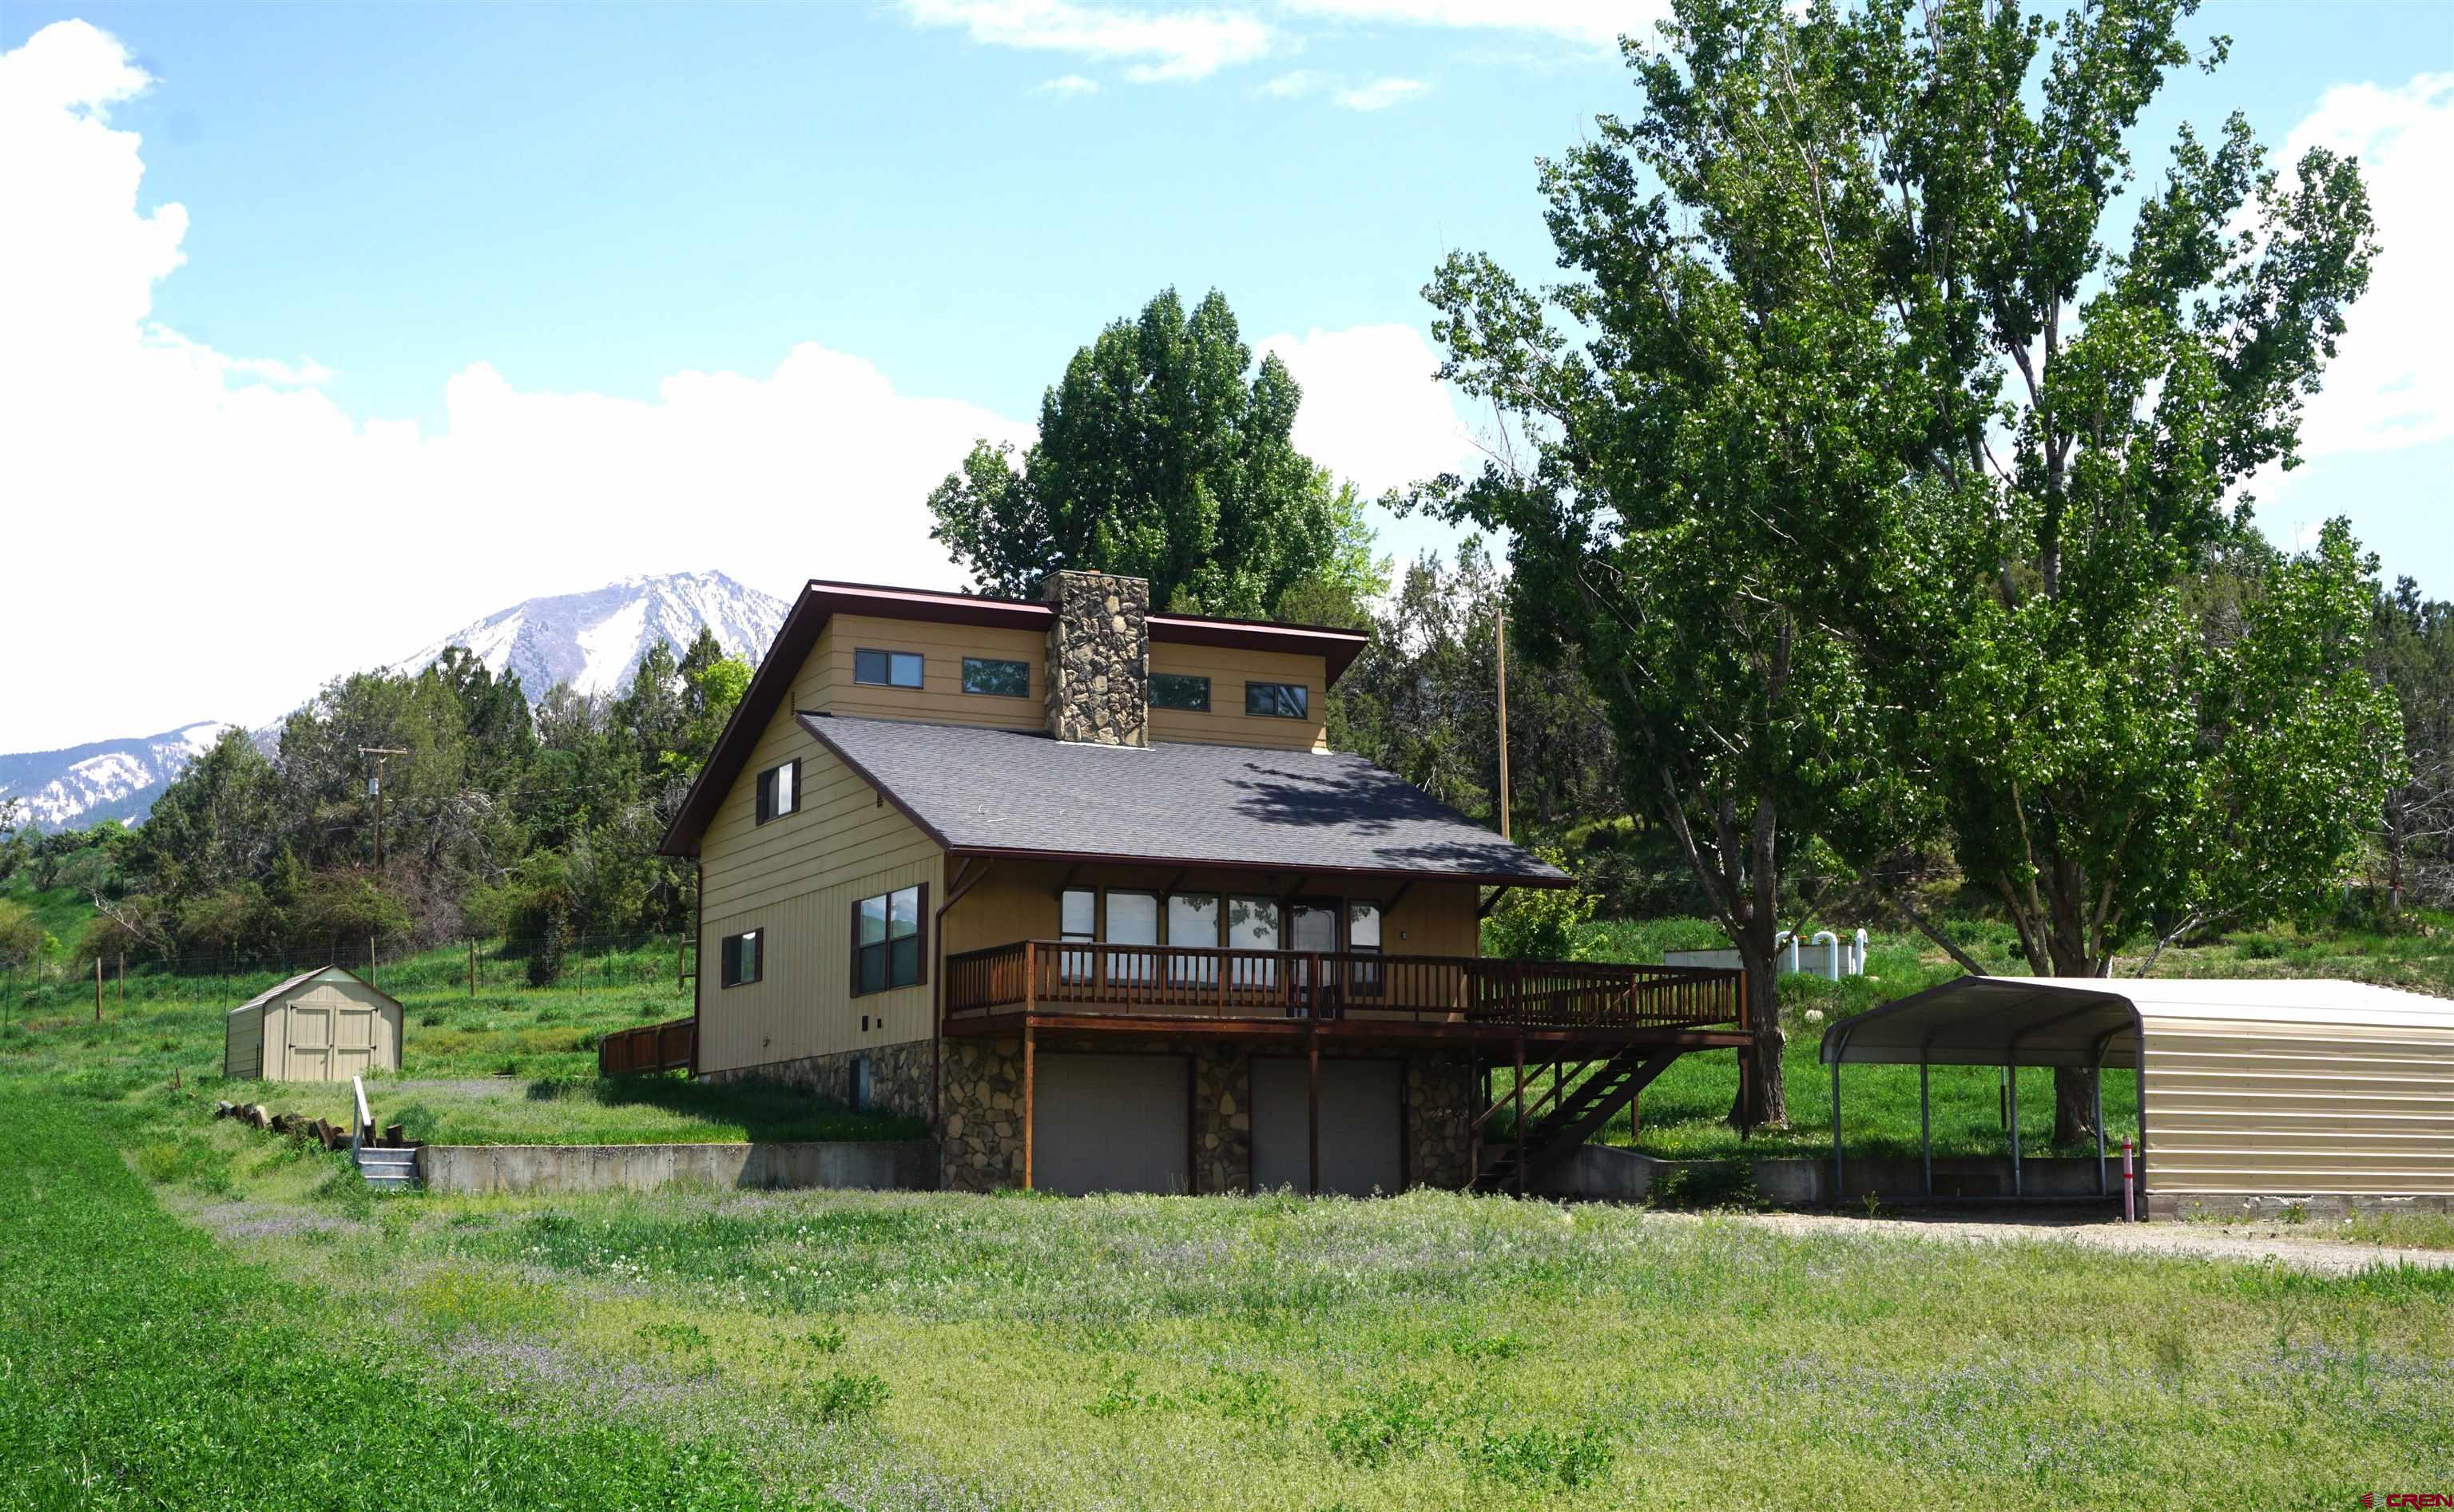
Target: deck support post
{"type": "Point", "coordinates": [1925, 1126]}
{"type": "Point", "coordinates": [1519, 1091]}
{"type": "Point", "coordinates": [1030, 1088]}
{"type": "Point", "coordinates": [1838, 1171]}
{"type": "Point", "coordinates": [1311, 1108]}
{"type": "Point", "coordinates": [2011, 1073]}
{"type": "Point", "coordinates": [2096, 1116]}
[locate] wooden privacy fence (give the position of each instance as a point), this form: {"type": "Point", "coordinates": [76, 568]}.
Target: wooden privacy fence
{"type": "Point", "coordinates": [1193, 981]}
{"type": "Point", "coordinates": [650, 1047]}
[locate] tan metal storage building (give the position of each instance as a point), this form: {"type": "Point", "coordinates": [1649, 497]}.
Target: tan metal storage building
{"type": "Point", "coordinates": [322, 1025]}
{"type": "Point", "coordinates": [2249, 1089]}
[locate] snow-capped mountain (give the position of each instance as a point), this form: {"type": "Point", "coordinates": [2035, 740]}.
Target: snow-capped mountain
{"type": "Point", "coordinates": [109, 779]}
{"type": "Point", "coordinates": [593, 640]}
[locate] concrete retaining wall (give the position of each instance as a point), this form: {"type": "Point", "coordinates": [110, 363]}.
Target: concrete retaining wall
{"type": "Point", "coordinates": [1607, 1174]}
{"type": "Point", "coordinates": [897, 1164]}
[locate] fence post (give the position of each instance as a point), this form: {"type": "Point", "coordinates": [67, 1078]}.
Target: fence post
{"type": "Point", "coordinates": [97, 989]}
{"type": "Point", "coordinates": [123, 979]}
{"type": "Point", "coordinates": [473, 966]}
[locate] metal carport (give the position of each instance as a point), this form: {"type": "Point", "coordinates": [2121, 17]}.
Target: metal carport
{"type": "Point", "coordinates": [2246, 1088]}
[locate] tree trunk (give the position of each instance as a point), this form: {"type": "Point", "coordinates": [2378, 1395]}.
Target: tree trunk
{"type": "Point", "coordinates": [1763, 1101]}
{"type": "Point", "coordinates": [2074, 1089]}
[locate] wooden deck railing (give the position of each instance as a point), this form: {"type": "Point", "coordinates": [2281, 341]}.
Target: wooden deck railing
{"type": "Point", "coordinates": [1038, 975]}
{"type": "Point", "coordinates": [649, 1047]}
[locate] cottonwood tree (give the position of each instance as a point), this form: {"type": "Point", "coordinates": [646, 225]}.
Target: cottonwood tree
{"type": "Point", "coordinates": [1863, 399]}
{"type": "Point", "coordinates": [1163, 454]}
{"type": "Point", "coordinates": [2412, 654]}
{"type": "Point", "coordinates": [2106, 765]}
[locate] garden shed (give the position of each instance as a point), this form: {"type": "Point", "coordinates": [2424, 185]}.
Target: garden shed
{"type": "Point", "coordinates": [321, 1025]}
{"type": "Point", "coordinates": [2332, 1094]}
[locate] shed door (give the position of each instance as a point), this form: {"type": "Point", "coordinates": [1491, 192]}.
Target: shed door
{"type": "Point", "coordinates": [311, 1043]}
{"type": "Point", "coordinates": [1111, 1123]}
{"type": "Point", "coordinates": [1361, 1124]}
{"type": "Point", "coordinates": [353, 1039]}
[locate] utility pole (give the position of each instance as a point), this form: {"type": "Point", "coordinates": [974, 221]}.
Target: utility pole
{"type": "Point", "coordinates": [374, 791]}
{"type": "Point", "coordinates": [1500, 640]}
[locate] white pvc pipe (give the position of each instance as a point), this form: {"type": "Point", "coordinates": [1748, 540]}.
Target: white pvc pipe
{"type": "Point", "coordinates": [1831, 944]}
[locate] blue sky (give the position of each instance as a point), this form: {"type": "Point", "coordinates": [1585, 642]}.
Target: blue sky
{"type": "Point", "coordinates": [473, 219]}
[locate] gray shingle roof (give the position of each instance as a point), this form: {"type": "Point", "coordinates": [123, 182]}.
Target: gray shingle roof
{"type": "Point", "coordinates": [1007, 789]}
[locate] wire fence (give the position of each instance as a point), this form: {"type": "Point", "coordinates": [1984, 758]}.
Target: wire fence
{"type": "Point", "coordinates": [470, 967]}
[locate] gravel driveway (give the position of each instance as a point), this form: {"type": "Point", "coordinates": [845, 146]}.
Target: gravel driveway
{"type": "Point", "coordinates": [2296, 1247]}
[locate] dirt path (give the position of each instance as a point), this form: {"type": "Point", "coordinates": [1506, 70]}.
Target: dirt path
{"type": "Point", "coordinates": [2247, 1244]}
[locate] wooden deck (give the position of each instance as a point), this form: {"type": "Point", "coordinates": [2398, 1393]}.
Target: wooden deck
{"type": "Point", "coordinates": [1096, 987]}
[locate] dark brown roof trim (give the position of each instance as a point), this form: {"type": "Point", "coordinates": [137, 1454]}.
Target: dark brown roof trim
{"type": "Point", "coordinates": [821, 600]}
{"type": "Point", "coordinates": [1339, 648]}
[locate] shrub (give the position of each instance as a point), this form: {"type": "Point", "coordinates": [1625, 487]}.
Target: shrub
{"type": "Point", "coordinates": [1546, 923]}
{"type": "Point", "coordinates": [1712, 1185]}
{"type": "Point", "coordinates": [1543, 1456]}
{"type": "Point", "coordinates": [1395, 1424]}
{"type": "Point", "coordinates": [845, 1396]}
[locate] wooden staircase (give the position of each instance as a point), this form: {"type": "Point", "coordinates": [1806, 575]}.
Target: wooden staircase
{"type": "Point", "coordinates": [1567, 1115]}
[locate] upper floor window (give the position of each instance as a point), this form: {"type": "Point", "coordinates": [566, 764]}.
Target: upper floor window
{"type": "Point", "coordinates": [1175, 690]}
{"type": "Point", "coordinates": [887, 669]}
{"type": "Point", "coordinates": [779, 790]}
{"type": "Point", "coordinates": [886, 941]}
{"type": "Point", "coordinates": [741, 963]}
{"type": "Point", "coordinates": [1278, 700]}
{"type": "Point", "coordinates": [1006, 679]}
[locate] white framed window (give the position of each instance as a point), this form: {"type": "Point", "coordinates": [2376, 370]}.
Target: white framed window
{"type": "Point", "coordinates": [1193, 920]}
{"type": "Point", "coordinates": [1363, 938]}
{"type": "Point", "coordinates": [1078, 921]}
{"type": "Point", "coordinates": [1253, 924]}
{"type": "Point", "coordinates": [1133, 920]}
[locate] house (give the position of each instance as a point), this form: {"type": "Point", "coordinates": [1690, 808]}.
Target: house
{"type": "Point", "coordinates": [322, 1025]}
{"type": "Point", "coordinates": [1083, 885]}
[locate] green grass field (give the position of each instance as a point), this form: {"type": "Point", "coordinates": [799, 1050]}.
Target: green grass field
{"type": "Point", "coordinates": [200, 1313]}
{"type": "Point", "coordinates": [505, 1066]}
{"type": "Point", "coordinates": [1435, 1350]}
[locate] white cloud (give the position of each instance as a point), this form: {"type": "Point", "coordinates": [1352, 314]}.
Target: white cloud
{"type": "Point", "coordinates": [194, 534]}
{"type": "Point", "coordinates": [1374, 95]}
{"type": "Point", "coordinates": [1380, 94]}
{"type": "Point", "coordinates": [1155, 43]}
{"type": "Point", "coordinates": [2390, 384]}
{"type": "Point", "coordinates": [1372, 410]}
{"type": "Point", "coordinates": [1591, 23]}
{"type": "Point", "coordinates": [1068, 86]}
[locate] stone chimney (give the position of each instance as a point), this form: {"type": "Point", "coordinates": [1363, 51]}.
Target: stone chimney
{"type": "Point", "coordinates": [1098, 659]}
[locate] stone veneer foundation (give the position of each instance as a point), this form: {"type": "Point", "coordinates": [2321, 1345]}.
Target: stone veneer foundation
{"type": "Point", "coordinates": [899, 1077]}
{"type": "Point", "coordinates": [1098, 659]}
{"type": "Point", "coordinates": [980, 1143]}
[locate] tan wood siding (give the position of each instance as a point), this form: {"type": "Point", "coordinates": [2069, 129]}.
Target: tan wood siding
{"type": "Point", "coordinates": [1227, 723]}
{"type": "Point", "coordinates": [796, 878]}
{"type": "Point", "coordinates": [826, 680]}
{"type": "Point", "coordinates": [803, 1004]}
{"type": "Point", "coordinates": [1017, 900]}
{"type": "Point", "coordinates": [2298, 1108]}
{"type": "Point", "coordinates": [843, 829]}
